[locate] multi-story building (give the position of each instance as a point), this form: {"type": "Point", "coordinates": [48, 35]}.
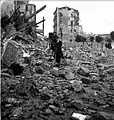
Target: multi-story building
{"type": "Point", "coordinates": [22, 4]}
{"type": "Point", "coordinates": [66, 23]}
{"type": "Point", "coordinates": [26, 8]}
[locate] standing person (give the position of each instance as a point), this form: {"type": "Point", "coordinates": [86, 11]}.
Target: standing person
{"type": "Point", "coordinates": [52, 42]}
{"type": "Point", "coordinates": [58, 52]}
{"type": "Point", "coordinates": [112, 39]}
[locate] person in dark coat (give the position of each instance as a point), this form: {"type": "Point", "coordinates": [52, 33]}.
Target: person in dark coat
{"type": "Point", "coordinates": [58, 52]}
{"type": "Point", "coordinates": [52, 43]}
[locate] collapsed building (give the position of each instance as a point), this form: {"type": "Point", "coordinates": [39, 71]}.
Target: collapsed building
{"type": "Point", "coordinates": [19, 34]}
{"type": "Point", "coordinates": [80, 89]}
{"type": "Point", "coordinates": [68, 29]}
{"type": "Point", "coordinates": [66, 23]}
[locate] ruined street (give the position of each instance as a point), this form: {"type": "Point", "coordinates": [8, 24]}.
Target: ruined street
{"type": "Point", "coordinates": [34, 86]}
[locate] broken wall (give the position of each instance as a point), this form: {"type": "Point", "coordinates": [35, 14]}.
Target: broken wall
{"type": "Point", "coordinates": [7, 8]}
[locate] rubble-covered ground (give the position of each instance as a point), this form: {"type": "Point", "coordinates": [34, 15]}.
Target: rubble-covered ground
{"type": "Point", "coordinates": [83, 83]}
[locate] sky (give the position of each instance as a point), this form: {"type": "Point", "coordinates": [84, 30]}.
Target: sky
{"type": "Point", "coordinates": [95, 16]}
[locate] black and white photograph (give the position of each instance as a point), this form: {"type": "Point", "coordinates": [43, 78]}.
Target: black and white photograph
{"type": "Point", "coordinates": [57, 60]}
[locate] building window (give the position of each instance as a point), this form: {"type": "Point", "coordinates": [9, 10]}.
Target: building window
{"type": "Point", "coordinates": [71, 15]}
{"type": "Point", "coordinates": [60, 21]}
{"type": "Point", "coordinates": [69, 18]}
{"type": "Point", "coordinates": [75, 16]}
{"type": "Point", "coordinates": [60, 14]}
{"type": "Point", "coordinates": [71, 23]}
{"type": "Point", "coordinates": [61, 33]}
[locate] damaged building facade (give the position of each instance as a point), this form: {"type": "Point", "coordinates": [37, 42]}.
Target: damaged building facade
{"type": "Point", "coordinates": [18, 32]}
{"type": "Point", "coordinates": [33, 87]}
{"type": "Point", "coordinates": [66, 23]}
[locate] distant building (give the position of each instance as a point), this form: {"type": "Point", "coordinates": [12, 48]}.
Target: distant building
{"type": "Point", "coordinates": [22, 4]}
{"type": "Point", "coordinates": [26, 8]}
{"type": "Point", "coordinates": [66, 23]}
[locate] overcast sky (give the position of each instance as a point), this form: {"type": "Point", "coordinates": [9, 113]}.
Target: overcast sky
{"type": "Point", "coordinates": [95, 16]}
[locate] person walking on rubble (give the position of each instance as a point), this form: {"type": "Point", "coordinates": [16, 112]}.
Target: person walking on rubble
{"type": "Point", "coordinates": [52, 42]}
{"type": "Point", "coordinates": [56, 47]}
{"type": "Point", "coordinates": [58, 52]}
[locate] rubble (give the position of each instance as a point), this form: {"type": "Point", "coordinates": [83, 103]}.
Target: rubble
{"type": "Point", "coordinates": [85, 80]}
{"type": "Point", "coordinates": [82, 87]}
{"type": "Point", "coordinates": [52, 91]}
{"type": "Point", "coordinates": [55, 71]}
{"type": "Point", "coordinates": [39, 70]}
{"type": "Point", "coordinates": [77, 85]}
{"type": "Point", "coordinates": [79, 116]}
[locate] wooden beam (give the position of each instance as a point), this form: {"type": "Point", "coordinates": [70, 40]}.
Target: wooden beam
{"type": "Point", "coordinates": [43, 26]}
